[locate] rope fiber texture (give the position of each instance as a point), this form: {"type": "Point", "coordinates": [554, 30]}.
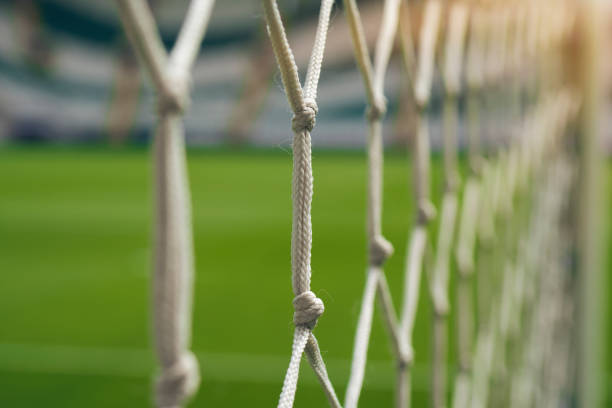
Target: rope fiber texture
{"type": "Point", "coordinates": [496, 39]}
{"type": "Point", "coordinates": [308, 307]}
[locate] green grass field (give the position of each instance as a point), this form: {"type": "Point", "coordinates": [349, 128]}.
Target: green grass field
{"type": "Point", "coordinates": [75, 260]}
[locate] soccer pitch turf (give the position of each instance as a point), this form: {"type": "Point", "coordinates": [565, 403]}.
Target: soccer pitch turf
{"type": "Point", "coordinates": [75, 262]}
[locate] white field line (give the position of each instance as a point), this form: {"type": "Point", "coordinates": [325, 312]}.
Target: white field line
{"type": "Point", "coordinates": [222, 367]}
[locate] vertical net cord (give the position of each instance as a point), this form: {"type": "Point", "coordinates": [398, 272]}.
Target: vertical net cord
{"type": "Point", "coordinates": [307, 306]}
{"type": "Point", "coordinates": [379, 248]}
{"type": "Point", "coordinates": [534, 167]}
{"type": "Point", "coordinates": [173, 278]}
{"type": "Point", "coordinates": [425, 211]}
{"type": "Point", "coordinates": [453, 60]}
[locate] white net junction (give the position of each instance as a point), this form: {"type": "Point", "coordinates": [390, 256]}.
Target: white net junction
{"type": "Point", "coordinates": [514, 226]}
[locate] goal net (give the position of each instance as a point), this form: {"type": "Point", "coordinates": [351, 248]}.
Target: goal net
{"type": "Point", "coordinates": [513, 230]}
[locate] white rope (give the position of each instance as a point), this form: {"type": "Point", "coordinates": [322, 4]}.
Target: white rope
{"type": "Point", "coordinates": [407, 44]}
{"type": "Point", "coordinates": [362, 336]}
{"type": "Point", "coordinates": [492, 55]}
{"type": "Point", "coordinates": [467, 227]}
{"type": "Point", "coordinates": [454, 47]}
{"type": "Point", "coordinates": [300, 337]}
{"type": "Point", "coordinates": [427, 48]}
{"type": "Point", "coordinates": [192, 31]}
{"type": "Point", "coordinates": [384, 43]}
{"type": "Point", "coordinates": [313, 354]}
{"type": "Point", "coordinates": [307, 306]}
{"type": "Point", "coordinates": [414, 262]}
{"type": "Point", "coordinates": [439, 295]}
{"type": "Point", "coordinates": [316, 60]}
{"type": "Point", "coordinates": [172, 296]}
{"type": "Point", "coordinates": [139, 25]}
{"type": "Point", "coordinates": [425, 210]}
{"type": "Point", "coordinates": [379, 248]}
{"type": "Point", "coordinates": [173, 269]}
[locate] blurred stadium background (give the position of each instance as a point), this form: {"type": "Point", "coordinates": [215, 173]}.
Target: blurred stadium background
{"type": "Point", "coordinates": [75, 207]}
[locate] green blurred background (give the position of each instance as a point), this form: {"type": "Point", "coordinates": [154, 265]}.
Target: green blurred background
{"type": "Point", "coordinates": [75, 262]}
{"type": "Point", "coordinates": [76, 214]}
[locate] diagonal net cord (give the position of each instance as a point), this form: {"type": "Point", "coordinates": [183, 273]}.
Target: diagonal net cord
{"type": "Point", "coordinates": [172, 295]}
{"type": "Point", "coordinates": [453, 61]}
{"type": "Point", "coordinates": [425, 211]}
{"type": "Point", "coordinates": [379, 248]}
{"type": "Point", "coordinates": [307, 306]}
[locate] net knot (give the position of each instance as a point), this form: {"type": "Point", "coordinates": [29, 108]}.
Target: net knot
{"type": "Point", "coordinates": [308, 307]}
{"type": "Point", "coordinates": [440, 302]}
{"type": "Point", "coordinates": [305, 118]}
{"type": "Point", "coordinates": [380, 250]}
{"type": "Point", "coordinates": [427, 212]}
{"type": "Point", "coordinates": [175, 98]}
{"type": "Point", "coordinates": [406, 357]}
{"type": "Point", "coordinates": [376, 110]}
{"type": "Point", "coordinates": [178, 381]}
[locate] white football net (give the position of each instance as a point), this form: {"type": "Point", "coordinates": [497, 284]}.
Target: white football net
{"type": "Point", "coordinates": [511, 227]}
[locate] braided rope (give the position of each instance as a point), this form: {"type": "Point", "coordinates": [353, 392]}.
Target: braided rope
{"type": "Point", "coordinates": [307, 306]}
{"type": "Point", "coordinates": [172, 294]}
{"type": "Point", "coordinates": [500, 37]}
{"type": "Point", "coordinates": [379, 248]}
